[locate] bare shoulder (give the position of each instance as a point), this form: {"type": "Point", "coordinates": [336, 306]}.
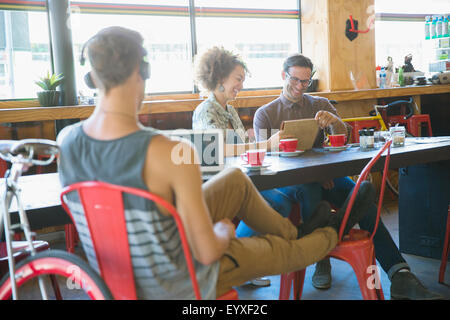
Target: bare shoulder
{"type": "Point", "coordinates": [171, 157]}
{"type": "Point", "coordinates": [65, 132]}
{"type": "Point", "coordinates": [172, 151]}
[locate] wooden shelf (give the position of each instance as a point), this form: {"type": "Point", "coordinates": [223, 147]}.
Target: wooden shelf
{"type": "Point", "coordinates": [365, 94]}
{"type": "Point", "coordinates": [169, 106]}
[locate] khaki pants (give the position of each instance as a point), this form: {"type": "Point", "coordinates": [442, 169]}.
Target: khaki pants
{"type": "Point", "coordinates": [231, 194]}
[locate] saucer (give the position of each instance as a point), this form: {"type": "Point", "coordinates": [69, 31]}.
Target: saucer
{"type": "Point", "coordinates": [291, 153]}
{"type": "Point", "coordinates": [340, 148]}
{"type": "Point", "coordinates": [253, 168]}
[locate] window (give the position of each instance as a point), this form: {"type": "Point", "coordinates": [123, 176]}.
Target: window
{"type": "Point", "coordinates": [24, 52]}
{"type": "Point", "coordinates": [412, 6]}
{"type": "Point", "coordinates": [404, 38]}
{"type": "Point", "coordinates": [264, 33]}
{"type": "Point", "coordinates": [235, 25]}
{"type": "Point", "coordinates": [166, 33]}
{"type": "Point", "coordinates": [400, 30]}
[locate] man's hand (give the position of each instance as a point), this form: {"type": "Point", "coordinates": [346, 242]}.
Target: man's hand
{"type": "Point", "coordinates": [325, 119]}
{"type": "Point", "coordinates": [225, 228]}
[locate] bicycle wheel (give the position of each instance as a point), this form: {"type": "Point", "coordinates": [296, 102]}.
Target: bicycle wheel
{"type": "Point", "coordinates": [392, 181]}
{"type": "Point", "coordinates": [72, 271]}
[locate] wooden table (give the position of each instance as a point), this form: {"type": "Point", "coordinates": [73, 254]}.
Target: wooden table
{"type": "Point", "coordinates": [40, 197]}
{"type": "Point", "coordinates": [320, 165]}
{"type": "Point", "coordinates": [41, 192]}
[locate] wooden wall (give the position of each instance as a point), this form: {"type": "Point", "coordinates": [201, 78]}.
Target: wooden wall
{"type": "Point", "coordinates": [324, 41]}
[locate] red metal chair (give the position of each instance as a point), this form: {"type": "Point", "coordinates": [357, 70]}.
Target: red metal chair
{"type": "Point", "coordinates": [445, 250]}
{"type": "Point", "coordinates": [357, 247]}
{"type": "Point", "coordinates": [3, 168]}
{"type": "Point", "coordinates": [358, 125]}
{"type": "Point", "coordinates": [293, 279]}
{"type": "Point", "coordinates": [413, 123]}
{"type": "Point", "coordinates": [103, 207]}
{"type": "Point", "coordinates": [71, 237]}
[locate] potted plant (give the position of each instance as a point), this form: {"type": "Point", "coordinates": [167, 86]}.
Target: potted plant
{"type": "Point", "coordinates": [49, 97]}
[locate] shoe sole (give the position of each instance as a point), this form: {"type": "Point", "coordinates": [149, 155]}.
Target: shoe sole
{"type": "Point", "coordinates": [322, 286]}
{"type": "Point", "coordinates": [260, 285]}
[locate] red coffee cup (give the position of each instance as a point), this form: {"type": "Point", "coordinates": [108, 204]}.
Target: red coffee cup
{"type": "Point", "coordinates": [288, 145]}
{"type": "Point", "coordinates": [254, 157]}
{"type": "Point", "coordinates": [337, 140]}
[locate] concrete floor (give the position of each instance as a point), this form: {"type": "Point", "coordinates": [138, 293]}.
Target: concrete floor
{"type": "Point", "coordinates": [344, 284]}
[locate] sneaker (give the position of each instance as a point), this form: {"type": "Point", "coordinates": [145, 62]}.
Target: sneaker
{"type": "Point", "coordinates": [321, 278]}
{"type": "Point", "coordinates": [406, 286]}
{"type": "Point", "coordinates": [260, 282]}
{"type": "Point", "coordinates": [364, 198]}
{"type": "Point", "coordinates": [319, 219]}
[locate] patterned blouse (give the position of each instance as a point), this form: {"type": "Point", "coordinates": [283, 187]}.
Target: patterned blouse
{"type": "Point", "coordinates": [211, 115]}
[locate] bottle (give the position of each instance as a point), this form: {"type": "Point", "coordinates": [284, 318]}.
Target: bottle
{"type": "Point", "coordinates": [427, 28]}
{"type": "Point", "coordinates": [433, 27]}
{"type": "Point", "coordinates": [382, 78]}
{"type": "Point", "coordinates": [377, 72]}
{"type": "Point", "coordinates": [401, 79]}
{"type": "Point", "coordinates": [439, 26]}
{"type": "Point", "coordinates": [446, 26]}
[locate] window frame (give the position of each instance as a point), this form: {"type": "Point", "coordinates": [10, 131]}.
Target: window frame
{"type": "Point", "coordinates": [192, 11]}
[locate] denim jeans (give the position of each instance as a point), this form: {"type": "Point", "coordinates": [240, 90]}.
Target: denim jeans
{"type": "Point", "coordinates": [277, 200]}
{"type": "Point", "coordinates": [309, 195]}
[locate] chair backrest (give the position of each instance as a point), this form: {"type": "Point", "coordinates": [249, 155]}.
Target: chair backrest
{"type": "Point", "coordinates": [362, 177]}
{"type": "Point", "coordinates": [105, 216]}
{"type": "Point", "coordinates": [3, 168]}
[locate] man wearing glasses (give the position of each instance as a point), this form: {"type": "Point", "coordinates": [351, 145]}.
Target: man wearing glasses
{"type": "Point", "coordinates": [294, 104]}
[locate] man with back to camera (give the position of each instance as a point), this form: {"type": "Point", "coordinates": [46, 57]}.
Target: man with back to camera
{"type": "Point", "coordinates": [113, 147]}
{"type": "Point", "coordinates": [293, 104]}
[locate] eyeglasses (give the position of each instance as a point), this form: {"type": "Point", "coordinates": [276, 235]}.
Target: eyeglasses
{"type": "Point", "coordinates": [296, 81]}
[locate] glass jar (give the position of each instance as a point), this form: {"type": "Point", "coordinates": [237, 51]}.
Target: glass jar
{"type": "Point", "coordinates": [381, 137]}
{"type": "Point", "coordinates": [370, 139]}
{"type": "Point", "coordinates": [398, 136]}
{"type": "Point", "coordinates": [362, 140]}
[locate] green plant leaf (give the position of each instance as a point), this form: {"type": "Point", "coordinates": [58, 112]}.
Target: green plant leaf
{"type": "Point", "coordinates": [41, 84]}
{"type": "Point", "coordinates": [50, 82]}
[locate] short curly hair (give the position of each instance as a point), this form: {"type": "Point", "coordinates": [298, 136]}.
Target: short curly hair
{"type": "Point", "coordinates": [215, 65]}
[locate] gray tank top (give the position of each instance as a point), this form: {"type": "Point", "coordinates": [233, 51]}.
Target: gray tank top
{"type": "Point", "coordinates": [159, 266]}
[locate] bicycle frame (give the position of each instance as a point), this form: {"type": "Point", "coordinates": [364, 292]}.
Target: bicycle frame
{"type": "Point", "coordinates": [376, 117]}
{"type": "Point", "coordinates": [20, 164]}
